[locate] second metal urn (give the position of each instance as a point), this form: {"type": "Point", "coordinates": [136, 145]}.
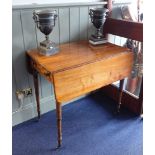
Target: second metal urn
{"type": "Point", "coordinates": [98, 17]}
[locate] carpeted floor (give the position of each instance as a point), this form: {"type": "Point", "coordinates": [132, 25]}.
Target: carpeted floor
{"type": "Point", "coordinates": [89, 128]}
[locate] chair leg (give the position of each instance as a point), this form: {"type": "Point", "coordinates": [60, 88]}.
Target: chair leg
{"type": "Point", "coordinates": [120, 95]}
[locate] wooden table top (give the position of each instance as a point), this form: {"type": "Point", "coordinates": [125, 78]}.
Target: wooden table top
{"type": "Point", "coordinates": [76, 54]}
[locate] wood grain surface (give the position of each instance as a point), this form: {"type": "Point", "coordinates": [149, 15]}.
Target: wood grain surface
{"type": "Point", "coordinates": [124, 28]}
{"type": "Point", "coordinates": [76, 81]}
{"type": "Point", "coordinates": [75, 54]}
{"type": "Point", "coordinates": [80, 67]}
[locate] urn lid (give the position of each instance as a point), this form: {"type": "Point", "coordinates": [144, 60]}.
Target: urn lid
{"type": "Point", "coordinates": [99, 10]}
{"type": "Point", "coordinates": [45, 13]}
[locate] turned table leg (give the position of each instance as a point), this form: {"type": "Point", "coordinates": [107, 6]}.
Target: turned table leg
{"type": "Point", "coordinates": [36, 86]}
{"type": "Point", "coordinates": [59, 123]}
{"type": "Point", "coordinates": [120, 94]}
{"type": "Point", "coordinates": [141, 99]}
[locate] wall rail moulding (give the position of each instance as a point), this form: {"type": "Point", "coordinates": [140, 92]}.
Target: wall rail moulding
{"type": "Point", "coordinates": [37, 5]}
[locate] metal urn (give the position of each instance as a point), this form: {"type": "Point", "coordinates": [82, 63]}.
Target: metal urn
{"type": "Point", "coordinates": [98, 17]}
{"type": "Point", "coordinates": [45, 21]}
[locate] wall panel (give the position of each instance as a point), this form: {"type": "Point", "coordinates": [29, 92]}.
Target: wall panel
{"type": "Point", "coordinates": [15, 102]}
{"type": "Point", "coordinates": [64, 24]}
{"type": "Point", "coordinates": [29, 35]}
{"type": "Point", "coordinates": [84, 23]}
{"type": "Point", "coordinates": [74, 14]}
{"type": "Point", "coordinates": [18, 54]}
{"type": "Point", "coordinates": [73, 24]}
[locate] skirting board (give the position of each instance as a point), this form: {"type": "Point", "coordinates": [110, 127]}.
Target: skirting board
{"type": "Point", "coordinates": [30, 111]}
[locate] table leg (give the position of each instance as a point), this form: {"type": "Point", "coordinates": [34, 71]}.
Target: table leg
{"type": "Point", "coordinates": [120, 94]}
{"type": "Point", "coordinates": [59, 123]}
{"type": "Point", "coordinates": [36, 86]}
{"type": "Point", "coordinates": [141, 99]}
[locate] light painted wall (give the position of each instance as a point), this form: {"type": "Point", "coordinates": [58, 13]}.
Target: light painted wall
{"type": "Point", "coordinates": [73, 24]}
{"type": "Point", "coordinates": [22, 2]}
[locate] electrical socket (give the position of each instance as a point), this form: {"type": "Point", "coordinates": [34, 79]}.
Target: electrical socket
{"type": "Point", "coordinates": [26, 92]}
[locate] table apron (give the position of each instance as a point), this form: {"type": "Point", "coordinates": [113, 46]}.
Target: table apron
{"type": "Point", "coordinates": [75, 82]}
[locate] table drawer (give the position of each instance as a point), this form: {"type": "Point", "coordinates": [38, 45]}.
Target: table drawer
{"type": "Point", "coordinates": [42, 71]}
{"type": "Point", "coordinates": [77, 81]}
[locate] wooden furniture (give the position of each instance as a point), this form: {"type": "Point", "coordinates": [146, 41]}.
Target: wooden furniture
{"type": "Point", "coordinates": [131, 30]}
{"type": "Point", "coordinates": [77, 69]}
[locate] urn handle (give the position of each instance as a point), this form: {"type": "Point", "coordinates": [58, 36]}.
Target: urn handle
{"type": "Point", "coordinates": [91, 12]}
{"type": "Point", "coordinates": [35, 17]}
{"type": "Point", "coordinates": [55, 16]}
